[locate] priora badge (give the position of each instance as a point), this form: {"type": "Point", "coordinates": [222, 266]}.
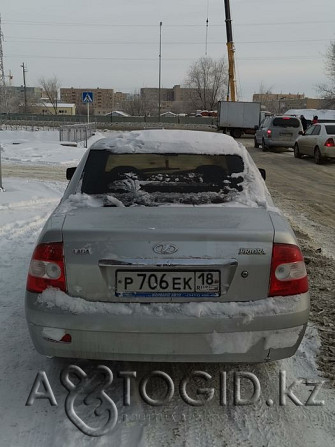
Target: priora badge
{"type": "Point", "coordinates": [165, 249]}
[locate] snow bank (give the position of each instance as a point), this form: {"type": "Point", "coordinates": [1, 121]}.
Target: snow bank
{"type": "Point", "coordinates": [270, 306]}
{"type": "Point", "coordinates": [242, 342]}
{"type": "Point", "coordinates": [23, 200]}
{"type": "Point", "coordinates": [40, 148]}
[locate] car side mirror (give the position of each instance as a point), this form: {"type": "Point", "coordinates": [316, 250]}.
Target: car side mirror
{"type": "Point", "coordinates": [263, 173]}
{"type": "Point", "coordinates": [70, 172]}
{"type": "Point", "coordinates": [301, 132]}
{"type": "Point", "coordinates": [256, 127]}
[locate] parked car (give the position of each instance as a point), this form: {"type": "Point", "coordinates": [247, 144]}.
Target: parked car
{"type": "Point", "coordinates": [166, 246]}
{"type": "Point", "coordinates": [318, 141]}
{"type": "Point", "coordinates": [277, 131]}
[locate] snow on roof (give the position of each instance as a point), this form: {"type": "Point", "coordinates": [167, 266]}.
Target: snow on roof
{"type": "Point", "coordinates": [323, 114]}
{"type": "Point", "coordinates": [168, 114]}
{"type": "Point", "coordinates": [118, 113]}
{"type": "Point", "coordinates": [59, 104]}
{"type": "Point", "coordinates": [166, 141]}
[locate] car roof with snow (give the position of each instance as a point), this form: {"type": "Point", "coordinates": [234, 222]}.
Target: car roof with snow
{"type": "Point", "coordinates": [167, 141]}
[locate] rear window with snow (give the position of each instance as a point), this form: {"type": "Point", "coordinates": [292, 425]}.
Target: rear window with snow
{"type": "Point", "coordinates": [148, 179]}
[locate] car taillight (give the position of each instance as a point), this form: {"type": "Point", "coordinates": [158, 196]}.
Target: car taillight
{"type": "Point", "coordinates": [330, 142]}
{"type": "Point", "coordinates": [288, 272]}
{"type": "Point", "coordinates": [47, 268]}
{"type": "Point", "coordinates": [269, 132]}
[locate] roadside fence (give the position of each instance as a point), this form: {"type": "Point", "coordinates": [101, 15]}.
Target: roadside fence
{"type": "Point", "coordinates": [77, 132]}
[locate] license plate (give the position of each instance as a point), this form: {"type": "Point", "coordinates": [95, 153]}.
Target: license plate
{"type": "Point", "coordinates": [167, 283]}
{"type": "Point", "coordinates": [285, 134]}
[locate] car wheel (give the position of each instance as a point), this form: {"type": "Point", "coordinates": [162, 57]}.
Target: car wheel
{"type": "Point", "coordinates": [317, 156]}
{"type": "Point", "coordinates": [256, 145]}
{"type": "Point", "coordinates": [236, 133]}
{"type": "Point", "coordinates": [264, 146]}
{"type": "Point", "coordinates": [296, 151]}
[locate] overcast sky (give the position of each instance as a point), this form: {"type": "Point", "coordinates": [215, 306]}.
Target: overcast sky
{"type": "Point", "coordinates": [115, 43]}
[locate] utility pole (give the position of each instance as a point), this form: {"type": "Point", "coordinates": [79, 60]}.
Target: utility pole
{"type": "Point", "coordinates": [206, 37]}
{"type": "Point", "coordinates": [2, 189]}
{"type": "Point", "coordinates": [207, 28]}
{"type": "Point", "coordinates": [160, 71]}
{"type": "Point", "coordinates": [2, 71]}
{"type": "Point", "coordinates": [24, 86]}
{"type": "Point", "coordinates": [2, 93]}
{"type": "Point", "coordinates": [231, 50]}
{"type": "Point", "coordinates": [3, 90]}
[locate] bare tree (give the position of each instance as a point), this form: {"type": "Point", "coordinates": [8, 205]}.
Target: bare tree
{"type": "Point", "coordinates": [208, 80]}
{"type": "Point", "coordinates": [267, 98]}
{"type": "Point", "coordinates": [137, 105]}
{"type": "Point", "coordinates": [14, 100]}
{"type": "Point", "coordinates": [327, 91]}
{"type": "Point", "coordinates": [51, 87]}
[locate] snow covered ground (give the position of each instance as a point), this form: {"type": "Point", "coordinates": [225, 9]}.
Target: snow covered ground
{"type": "Point", "coordinates": [24, 207]}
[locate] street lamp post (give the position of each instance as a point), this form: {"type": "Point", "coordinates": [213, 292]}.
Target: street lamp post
{"type": "Point", "coordinates": [24, 86]}
{"type": "Point", "coordinates": [160, 71]}
{"type": "Point", "coordinates": [2, 189]}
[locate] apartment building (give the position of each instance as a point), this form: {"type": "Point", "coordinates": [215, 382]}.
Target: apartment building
{"type": "Point", "coordinates": [176, 99]}
{"type": "Point", "coordinates": [280, 102]}
{"type": "Point", "coordinates": [103, 99]}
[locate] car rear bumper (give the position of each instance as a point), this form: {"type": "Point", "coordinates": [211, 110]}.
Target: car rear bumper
{"type": "Point", "coordinates": [270, 333]}
{"type": "Point", "coordinates": [279, 143]}
{"type": "Point", "coordinates": [329, 152]}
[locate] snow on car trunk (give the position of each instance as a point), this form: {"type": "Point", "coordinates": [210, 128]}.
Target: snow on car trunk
{"type": "Point", "coordinates": [167, 253]}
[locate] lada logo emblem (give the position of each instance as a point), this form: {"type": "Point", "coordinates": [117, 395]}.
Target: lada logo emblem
{"type": "Point", "coordinates": [165, 249]}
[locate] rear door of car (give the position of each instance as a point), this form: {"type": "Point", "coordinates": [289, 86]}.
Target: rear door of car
{"type": "Point", "coordinates": [311, 139]}
{"type": "Point", "coordinates": [285, 129]}
{"type": "Point", "coordinates": [315, 137]}
{"type": "Point", "coordinates": [261, 132]}
{"type": "Point", "coordinates": [305, 141]}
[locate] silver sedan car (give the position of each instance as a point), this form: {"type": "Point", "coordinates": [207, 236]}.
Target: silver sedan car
{"type": "Point", "coordinates": [318, 141]}
{"type": "Point", "coordinates": [166, 246]}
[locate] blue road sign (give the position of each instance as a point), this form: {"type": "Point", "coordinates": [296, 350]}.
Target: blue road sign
{"type": "Point", "coordinates": [87, 96]}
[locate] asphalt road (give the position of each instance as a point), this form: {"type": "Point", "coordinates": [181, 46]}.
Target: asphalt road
{"type": "Point", "coordinates": [299, 185]}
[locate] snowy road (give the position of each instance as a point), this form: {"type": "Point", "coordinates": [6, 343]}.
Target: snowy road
{"type": "Point", "coordinates": [305, 191]}
{"type": "Point", "coordinates": [23, 209]}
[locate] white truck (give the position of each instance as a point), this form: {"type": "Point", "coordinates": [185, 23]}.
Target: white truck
{"type": "Point", "coordinates": [238, 117]}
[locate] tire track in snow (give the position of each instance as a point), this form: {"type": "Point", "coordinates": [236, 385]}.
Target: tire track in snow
{"type": "Point", "coordinates": [18, 229]}
{"type": "Point", "coordinates": [29, 204]}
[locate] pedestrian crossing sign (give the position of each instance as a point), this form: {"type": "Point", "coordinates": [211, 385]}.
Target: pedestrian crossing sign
{"type": "Point", "coordinates": [87, 97]}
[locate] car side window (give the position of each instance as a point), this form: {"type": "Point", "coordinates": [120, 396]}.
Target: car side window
{"type": "Point", "coordinates": [266, 122]}
{"type": "Point", "coordinates": [316, 130]}
{"type": "Point", "coordinates": [310, 130]}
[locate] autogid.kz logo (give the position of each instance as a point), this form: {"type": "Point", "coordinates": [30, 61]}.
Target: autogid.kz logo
{"type": "Point", "coordinates": [231, 390]}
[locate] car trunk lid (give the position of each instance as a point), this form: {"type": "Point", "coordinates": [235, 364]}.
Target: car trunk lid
{"type": "Point", "coordinates": [168, 253]}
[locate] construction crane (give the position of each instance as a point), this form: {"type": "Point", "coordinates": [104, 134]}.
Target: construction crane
{"type": "Point", "coordinates": [231, 94]}
{"type": "Point", "coordinates": [2, 71]}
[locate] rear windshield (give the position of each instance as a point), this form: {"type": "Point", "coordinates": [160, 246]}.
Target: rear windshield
{"type": "Point", "coordinates": [158, 179]}
{"type": "Point", "coordinates": [286, 122]}
{"type": "Point", "coordinates": [330, 129]}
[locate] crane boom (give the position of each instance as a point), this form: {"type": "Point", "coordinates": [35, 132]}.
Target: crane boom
{"type": "Point", "coordinates": [231, 95]}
